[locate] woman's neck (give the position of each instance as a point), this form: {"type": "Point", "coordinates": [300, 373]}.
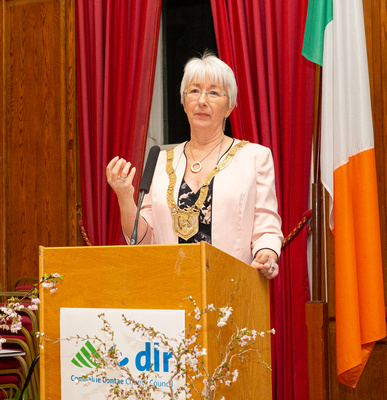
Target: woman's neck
{"type": "Point", "coordinates": [207, 139]}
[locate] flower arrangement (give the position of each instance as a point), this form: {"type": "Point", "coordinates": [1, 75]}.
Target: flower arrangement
{"type": "Point", "coordinates": [10, 318]}
{"type": "Point", "coordinates": [187, 362]}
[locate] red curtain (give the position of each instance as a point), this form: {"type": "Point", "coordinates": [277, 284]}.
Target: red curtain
{"type": "Point", "coordinates": [116, 58]}
{"type": "Point", "coordinates": [262, 41]}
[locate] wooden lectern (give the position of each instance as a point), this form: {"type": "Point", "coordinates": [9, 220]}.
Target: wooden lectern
{"type": "Point", "coordinates": [131, 277]}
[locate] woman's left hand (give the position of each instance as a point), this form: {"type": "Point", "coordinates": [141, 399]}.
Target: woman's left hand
{"type": "Point", "coordinates": [265, 262]}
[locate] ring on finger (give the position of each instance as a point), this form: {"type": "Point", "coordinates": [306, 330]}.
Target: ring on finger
{"type": "Point", "coordinates": [121, 177]}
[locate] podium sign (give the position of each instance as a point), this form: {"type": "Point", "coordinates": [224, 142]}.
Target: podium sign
{"type": "Point", "coordinates": [152, 278]}
{"type": "Point", "coordinates": [137, 353]}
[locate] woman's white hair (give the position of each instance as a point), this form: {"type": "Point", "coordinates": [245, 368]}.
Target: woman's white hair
{"type": "Point", "coordinates": [208, 65]}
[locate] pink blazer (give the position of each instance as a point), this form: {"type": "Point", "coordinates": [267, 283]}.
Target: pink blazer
{"type": "Point", "coordinates": [244, 203]}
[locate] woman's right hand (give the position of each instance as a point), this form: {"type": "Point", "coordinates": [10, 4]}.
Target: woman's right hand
{"type": "Point", "coordinates": [120, 177]}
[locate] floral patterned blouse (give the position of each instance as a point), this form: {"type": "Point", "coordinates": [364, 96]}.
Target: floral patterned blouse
{"type": "Point", "coordinates": [187, 198]}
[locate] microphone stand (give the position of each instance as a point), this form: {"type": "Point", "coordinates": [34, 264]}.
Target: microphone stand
{"type": "Point", "coordinates": [145, 186]}
{"type": "Point", "coordinates": [133, 239]}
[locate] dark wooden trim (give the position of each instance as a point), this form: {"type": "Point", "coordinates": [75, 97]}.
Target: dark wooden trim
{"type": "Point", "coordinates": [318, 370]}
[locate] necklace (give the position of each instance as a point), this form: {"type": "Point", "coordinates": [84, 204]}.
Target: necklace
{"type": "Point", "coordinates": [196, 166]}
{"type": "Point", "coordinates": [186, 221]}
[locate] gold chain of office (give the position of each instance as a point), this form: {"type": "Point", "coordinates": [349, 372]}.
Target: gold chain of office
{"type": "Point", "coordinates": [186, 221]}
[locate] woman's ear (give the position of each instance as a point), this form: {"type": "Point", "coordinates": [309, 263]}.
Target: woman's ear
{"type": "Point", "coordinates": [229, 112]}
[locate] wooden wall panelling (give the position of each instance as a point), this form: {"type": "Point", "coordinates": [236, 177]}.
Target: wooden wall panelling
{"type": "Point", "coordinates": [71, 125]}
{"type": "Point", "coordinates": [2, 197]}
{"type": "Point", "coordinates": [375, 17]}
{"type": "Point", "coordinates": [38, 132]}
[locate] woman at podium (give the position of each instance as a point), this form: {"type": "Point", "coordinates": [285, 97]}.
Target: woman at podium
{"type": "Point", "coordinates": [211, 188]}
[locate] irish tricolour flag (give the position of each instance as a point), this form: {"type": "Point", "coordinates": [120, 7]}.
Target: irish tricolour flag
{"type": "Point", "coordinates": [335, 39]}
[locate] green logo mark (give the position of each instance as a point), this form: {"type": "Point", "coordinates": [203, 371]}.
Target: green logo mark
{"type": "Point", "coordinates": [83, 357]}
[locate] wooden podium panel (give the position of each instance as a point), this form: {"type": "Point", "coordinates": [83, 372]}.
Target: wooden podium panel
{"type": "Point", "coordinates": [158, 277]}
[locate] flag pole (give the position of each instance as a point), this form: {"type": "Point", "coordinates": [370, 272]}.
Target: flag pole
{"type": "Point", "coordinates": [317, 309]}
{"type": "Point", "coordinates": [317, 196]}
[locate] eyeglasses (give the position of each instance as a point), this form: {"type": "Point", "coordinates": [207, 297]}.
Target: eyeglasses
{"type": "Point", "coordinates": [212, 95]}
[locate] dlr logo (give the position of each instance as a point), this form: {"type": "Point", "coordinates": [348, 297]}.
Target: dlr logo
{"type": "Point", "coordinates": [144, 359]}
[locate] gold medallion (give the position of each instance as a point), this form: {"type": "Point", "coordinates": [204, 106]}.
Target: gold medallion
{"type": "Point", "coordinates": [185, 222]}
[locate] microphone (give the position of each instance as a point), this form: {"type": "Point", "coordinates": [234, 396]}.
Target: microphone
{"type": "Point", "coordinates": [149, 169]}
{"type": "Point", "coordinates": [145, 185]}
